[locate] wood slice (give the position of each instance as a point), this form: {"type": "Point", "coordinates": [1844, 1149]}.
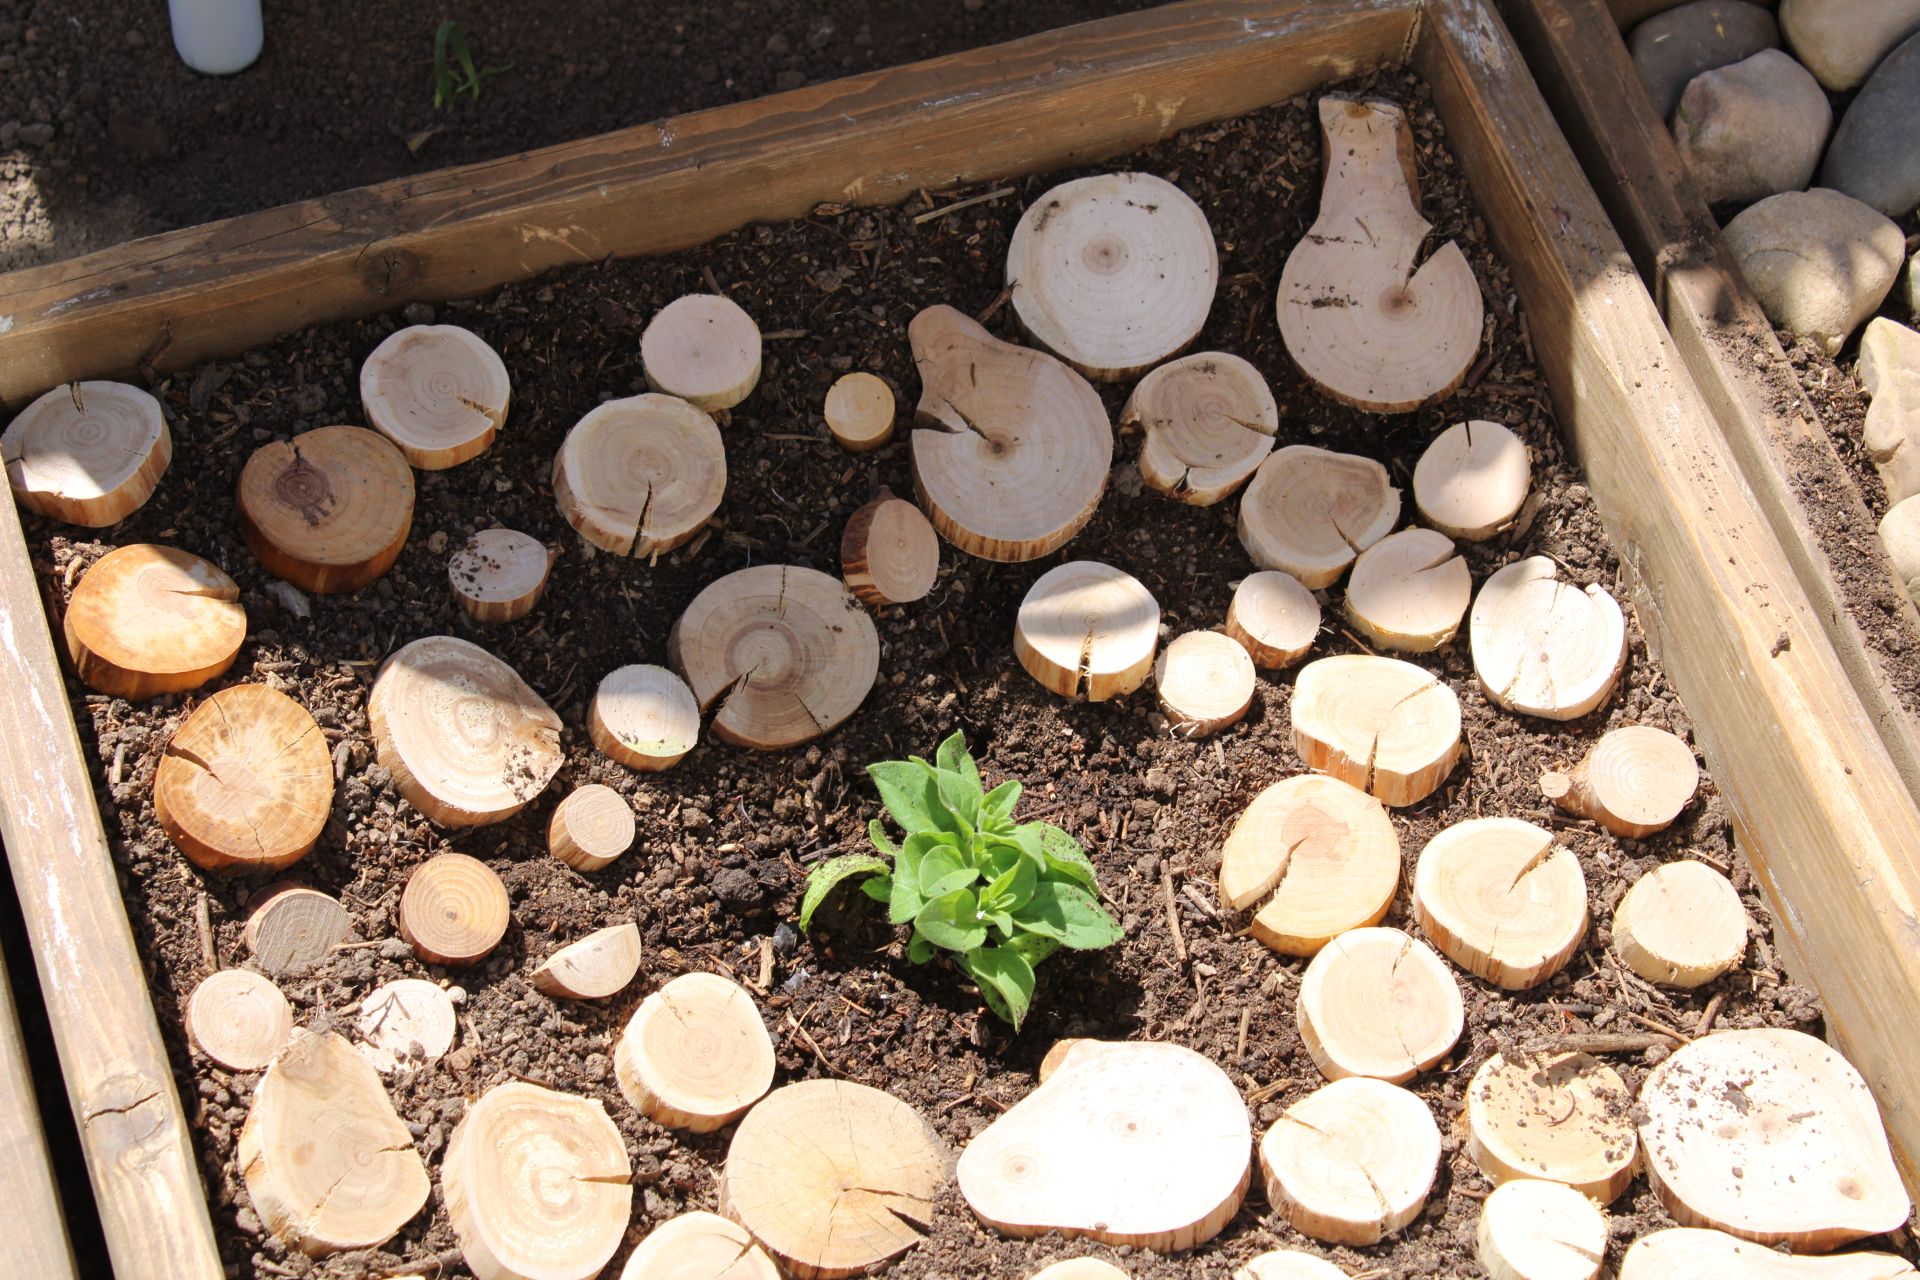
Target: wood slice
{"type": "Point", "coordinates": [591, 827]}
{"type": "Point", "coordinates": [245, 783]}
{"type": "Point", "coordinates": [1543, 647]}
{"type": "Point", "coordinates": [645, 717]}
{"type": "Point", "coordinates": [1205, 681]}
{"type": "Point", "coordinates": [640, 476]}
{"type": "Point", "coordinates": [1012, 448]}
{"type": "Point", "coordinates": [437, 391]}
{"type": "Point", "coordinates": [239, 1019]}
{"type": "Point", "coordinates": [1376, 1002]}
{"type": "Point", "coordinates": [859, 412]}
{"type": "Point", "coordinates": [699, 1246]}
{"type": "Point", "coordinates": [1309, 511]}
{"type": "Point", "coordinates": [833, 1178]}
{"type": "Point", "coordinates": [695, 1055]}
{"type": "Point", "coordinates": [1502, 899]}
{"type": "Point", "coordinates": [598, 965]}
{"type": "Point", "coordinates": [1079, 1269]}
{"type": "Point", "coordinates": [149, 620]}
{"type": "Point", "coordinates": [1634, 782]}
{"type": "Point", "coordinates": [1070, 1050]}
{"type": "Point", "coordinates": [1699, 1254]}
{"type": "Point", "coordinates": [1409, 591]}
{"type": "Point", "coordinates": [291, 928]}
{"type": "Point", "coordinates": [1209, 420]}
{"type": "Point", "coordinates": [1352, 1162]}
{"type": "Point", "coordinates": [328, 1165]}
{"type": "Point", "coordinates": [88, 453]}
{"type": "Point", "coordinates": [454, 910]}
{"type": "Point", "coordinates": [328, 510]}
{"type": "Point", "coordinates": [500, 574]}
{"type": "Point", "coordinates": [1288, 1264]}
{"type": "Point", "coordinates": [1087, 626]}
{"type": "Point", "coordinates": [467, 741]}
{"type": "Point", "coordinates": [1531, 1230]}
{"type": "Point", "coordinates": [785, 654]}
{"type": "Point", "coordinates": [704, 349]}
{"type": "Point", "coordinates": [538, 1185]}
{"type": "Point", "coordinates": [1562, 1117]}
{"type": "Point", "coordinates": [406, 1024]}
{"type": "Point", "coordinates": [1139, 1143]}
{"type": "Point", "coordinates": [889, 553]}
{"type": "Point", "coordinates": [1772, 1136]}
{"type": "Point", "coordinates": [1274, 617]}
{"type": "Point", "coordinates": [1317, 856]}
{"type": "Point", "coordinates": [1379, 724]}
{"type": "Point", "coordinates": [1367, 327]}
{"type": "Point", "coordinates": [1681, 925]}
{"type": "Point", "coordinates": [1471, 481]}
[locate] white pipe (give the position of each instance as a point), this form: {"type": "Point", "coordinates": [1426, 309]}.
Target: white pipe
{"type": "Point", "coordinates": [216, 37]}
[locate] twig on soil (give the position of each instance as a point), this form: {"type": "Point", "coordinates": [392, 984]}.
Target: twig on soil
{"type": "Point", "coordinates": [1661, 1028]}
{"type": "Point", "coordinates": [203, 918]}
{"type": "Point", "coordinates": [1598, 1042]}
{"type": "Point", "coordinates": [806, 1038]}
{"type": "Point", "coordinates": [996, 194]}
{"type": "Point", "coordinates": [435, 1266]}
{"type": "Point", "coordinates": [993, 308]}
{"type": "Point", "coordinates": [1268, 1090]}
{"type": "Point", "coordinates": [765, 981]}
{"type": "Point", "coordinates": [1240, 1046]}
{"type": "Point", "coordinates": [1173, 917]}
{"type": "Point", "coordinates": [1711, 1012]}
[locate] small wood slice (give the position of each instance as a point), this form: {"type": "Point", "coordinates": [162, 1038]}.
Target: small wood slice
{"type": "Point", "coordinates": [88, 453]}
{"type": "Point", "coordinates": [1532, 1230]}
{"type": "Point", "coordinates": [1316, 856]}
{"type": "Point", "coordinates": [699, 1246]}
{"type": "Point", "coordinates": [1376, 1002]}
{"type": "Point", "coordinates": [1409, 591]}
{"type": "Point", "coordinates": [1699, 1254]}
{"type": "Point", "coordinates": [1274, 617]}
{"type": "Point", "coordinates": [1472, 480]}
{"type": "Point", "coordinates": [1502, 899]}
{"type": "Point", "coordinates": [1352, 1162]}
{"type": "Point", "coordinates": [859, 412]}
{"type": "Point", "coordinates": [1209, 420]}
{"type": "Point", "coordinates": [1087, 626]}
{"type": "Point", "coordinates": [1379, 724]}
{"type": "Point", "coordinates": [239, 1019]}
{"type": "Point", "coordinates": [500, 574]}
{"type": "Point", "coordinates": [437, 391]}
{"type": "Point", "coordinates": [1563, 1117]}
{"type": "Point", "coordinates": [328, 510]}
{"type": "Point", "coordinates": [1309, 511]}
{"type": "Point", "coordinates": [291, 928]}
{"type": "Point", "coordinates": [149, 620]}
{"type": "Point", "coordinates": [598, 965]}
{"type": "Point", "coordinates": [777, 653]}
{"type": "Point", "coordinates": [645, 717]}
{"type": "Point", "coordinates": [1205, 681]}
{"type": "Point", "coordinates": [406, 1024]}
{"type": "Point", "coordinates": [1079, 1269]}
{"type": "Point", "coordinates": [695, 1054]}
{"type": "Point", "coordinates": [1681, 925]}
{"type": "Point", "coordinates": [704, 349]}
{"type": "Point", "coordinates": [1012, 448]}
{"type": "Point", "coordinates": [1288, 1264]}
{"type": "Point", "coordinates": [889, 553]}
{"type": "Point", "coordinates": [640, 476]}
{"type": "Point", "coordinates": [833, 1178]}
{"type": "Point", "coordinates": [1367, 327]}
{"type": "Point", "coordinates": [1543, 647]}
{"type": "Point", "coordinates": [1634, 782]}
{"type": "Point", "coordinates": [591, 827]}
{"type": "Point", "coordinates": [454, 910]}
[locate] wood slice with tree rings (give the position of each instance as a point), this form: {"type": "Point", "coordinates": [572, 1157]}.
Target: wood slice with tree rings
{"type": "Point", "coordinates": [1087, 626]}
{"type": "Point", "coordinates": [1310, 511]}
{"type": "Point", "coordinates": [328, 510]}
{"type": "Point", "coordinates": [889, 553]}
{"type": "Point", "coordinates": [245, 783]}
{"type": "Point", "coordinates": [1352, 1162]}
{"type": "Point", "coordinates": [148, 620]}
{"type": "Point", "coordinates": [88, 453]}
{"type": "Point", "coordinates": [1409, 591]}
{"type": "Point", "coordinates": [703, 348]}
{"type": "Point", "coordinates": [467, 741]}
{"type": "Point", "coordinates": [1680, 925]}
{"type": "Point", "coordinates": [859, 412]}
{"type": "Point", "coordinates": [1376, 1002]}
{"type": "Point", "coordinates": [1316, 856]}
{"type": "Point", "coordinates": [1274, 617]}
{"type": "Point", "coordinates": [1363, 316]}
{"type": "Point", "coordinates": [1634, 782]}
{"type": "Point", "coordinates": [1532, 1230]}
{"type": "Point", "coordinates": [1382, 725]}
{"type": "Point", "coordinates": [406, 1024]}
{"type": "Point", "coordinates": [500, 574]}
{"type": "Point", "coordinates": [640, 476]}
{"type": "Point", "coordinates": [833, 1178]}
{"type": "Point", "coordinates": [695, 1054]}
{"type": "Point", "coordinates": [778, 654]}
{"type": "Point", "coordinates": [1068, 1051]}
{"type": "Point", "coordinates": [644, 716]}
{"type": "Point", "coordinates": [239, 1019]}
{"type": "Point", "coordinates": [1502, 899]}
{"type": "Point", "coordinates": [591, 827]}
{"type": "Point", "coordinates": [454, 910]}
{"type": "Point", "coordinates": [1141, 1143]}
{"type": "Point", "coordinates": [1209, 420]}
{"type": "Point", "coordinates": [327, 1163]}
{"type": "Point", "coordinates": [437, 391]}
{"type": "Point", "coordinates": [1011, 449]}
{"type": "Point", "coordinates": [1544, 647]}
{"type": "Point", "coordinates": [1700, 1254]}
{"type": "Point", "coordinates": [1562, 1117]}
{"type": "Point", "coordinates": [1288, 1264]}
{"type": "Point", "coordinates": [598, 965]}
{"type": "Point", "coordinates": [1205, 682]}
{"type": "Point", "coordinates": [291, 928]}
{"type": "Point", "coordinates": [1079, 1269]}
{"type": "Point", "coordinates": [699, 1246]}
{"type": "Point", "coordinates": [1472, 480]}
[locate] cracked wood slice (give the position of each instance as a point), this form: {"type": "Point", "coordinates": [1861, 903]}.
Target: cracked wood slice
{"type": "Point", "coordinates": [1382, 725]}
{"type": "Point", "coordinates": [778, 654]}
{"type": "Point", "coordinates": [1209, 420]}
{"type": "Point", "coordinates": [328, 510]}
{"type": "Point", "coordinates": [695, 1054]}
{"type": "Point", "coordinates": [1274, 617]}
{"type": "Point", "coordinates": [1533, 1230]}
{"type": "Point", "coordinates": [1352, 1162]}
{"type": "Point", "coordinates": [1700, 1254]}
{"type": "Point", "coordinates": [1634, 782]}
{"type": "Point", "coordinates": [1316, 856]}
{"type": "Point", "coordinates": [859, 412]}
{"type": "Point", "coordinates": [1288, 1264]}
{"type": "Point", "coordinates": [467, 741]}
{"type": "Point", "coordinates": [499, 575]}
{"type": "Point", "coordinates": [1087, 626]}
{"type": "Point", "coordinates": [833, 1178]}
{"type": "Point", "coordinates": [594, 967]}
{"type": "Point", "coordinates": [703, 348]}
{"type": "Point", "coordinates": [454, 910]}
{"type": "Point", "coordinates": [1409, 591]}
{"type": "Point", "coordinates": [1011, 448]}
{"type": "Point", "coordinates": [889, 553]}
{"type": "Point", "coordinates": [245, 783]}
{"type": "Point", "coordinates": [644, 716]}
{"type": "Point", "coordinates": [1079, 1269]}
{"type": "Point", "coordinates": [147, 620]}
{"type": "Point", "coordinates": [640, 476]}
{"type": "Point", "coordinates": [1471, 481]}
{"type": "Point", "coordinates": [438, 391]}
{"type": "Point", "coordinates": [1502, 899]}
{"type": "Point", "coordinates": [1680, 925]}
{"type": "Point", "coordinates": [290, 928]}
{"type": "Point", "coordinates": [1376, 1002]}
{"type": "Point", "coordinates": [406, 1024]}
{"type": "Point", "coordinates": [88, 453]}
{"type": "Point", "coordinates": [1136, 1143]}
{"type": "Point", "coordinates": [1205, 682]}
{"type": "Point", "coordinates": [1544, 647]}
{"type": "Point", "coordinates": [239, 1018]}
{"type": "Point", "coordinates": [1310, 511]}
{"type": "Point", "coordinates": [1562, 1117]}
{"type": "Point", "coordinates": [591, 827]}
{"type": "Point", "coordinates": [1370, 323]}
{"type": "Point", "coordinates": [699, 1246]}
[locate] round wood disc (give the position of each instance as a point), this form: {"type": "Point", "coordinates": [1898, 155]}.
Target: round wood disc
{"type": "Point", "coordinates": [859, 412]}
{"type": "Point", "coordinates": [1079, 1269]}
{"type": "Point", "coordinates": [1634, 782]}
{"type": "Point", "coordinates": [644, 716]}
{"type": "Point", "coordinates": [591, 827]}
{"type": "Point", "coordinates": [406, 1024]}
{"type": "Point", "coordinates": [695, 1054]}
{"type": "Point", "coordinates": [149, 620]}
{"type": "Point", "coordinates": [1681, 925]}
{"type": "Point", "coordinates": [889, 553]}
{"type": "Point", "coordinates": [1205, 681]}
{"type": "Point", "coordinates": [640, 476]}
{"type": "Point", "coordinates": [1563, 1117]}
{"type": "Point", "coordinates": [1502, 899]}
{"type": "Point", "coordinates": [1409, 591]}
{"type": "Point", "coordinates": [1544, 647]}
{"type": "Point", "coordinates": [1531, 1230]}
{"type": "Point", "coordinates": [1087, 625]}
{"type": "Point", "coordinates": [1309, 511]}
{"type": "Point", "coordinates": [1352, 1162]}
{"type": "Point", "coordinates": [699, 1246]}
{"type": "Point", "coordinates": [1379, 724]}
{"type": "Point", "coordinates": [291, 928]}
{"type": "Point", "coordinates": [1274, 617]}
{"type": "Point", "coordinates": [437, 391]}
{"type": "Point", "coordinates": [89, 453]}
{"type": "Point", "coordinates": [703, 348]}
{"type": "Point", "coordinates": [1288, 1264]}
{"type": "Point", "coordinates": [454, 910]}
{"type": "Point", "coordinates": [598, 965]}
{"type": "Point", "coordinates": [239, 1019]}
{"type": "Point", "coordinates": [1376, 1002]}
{"type": "Point", "coordinates": [500, 574]}
{"type": "Point", "coordinates": [1714, 1255]}
{"type": "Point", "coordinates": [1316, 856]}
{"type": "Point", "coordinates": [328, 510]}
{"type": "Point", "coordinates": [1471, 481]}
{"type": "Point", "coordinates": [1209, 420]}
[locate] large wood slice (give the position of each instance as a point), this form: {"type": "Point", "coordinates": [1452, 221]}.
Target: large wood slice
{"type": "Point", "coordinates": [1472, 480]}
{"type": "Point", "coordinates": [1700, 1254]}
{"type": "Point", "coordinates": [1409, 591]}
{"type": "Point", "coordinates": [699, 1246]}
{"type": "Point", "coordinates": [889, 553]}
{"type": "Point", "coordinates": [406, 1024]}
{"type": "Point", "coordinates": [239, 1019]}
{"type": "Point", "coordinates": [598, 965]}
{"type": "Point", "coordinates": [1502, 898]}
{"type": "Point", "coordinates": [1079, 1269]}
{"type": "Point", "coordinates": [328, 510]}
{"type": "Point", "coordinates": [1316, 856]}
{"type": "Point", "coordinates": [437, 391]}
{"type": "Point", "coordinates": [1634, 782]}
{"type": "Point", "coordinates": [1275, 617]}
{"type": "Point", "coordinates": [644, 716]}
{"type": "Point", "coordinates": [1376, 1002]}
{"type": "Point", "coordinates": [591, 827]}
{"type": "Point", "coordinates": [1288, 1264]}
{"type": "Point", "coordinates": [89, 453]}
{"type": "Point", "coordinates": [1352, 1162]}
{"type": "Point", "coordinates": [291, 928]}
{"type": "Point", "coordinates": [778, 654]}
{"type": "Point", "coordinates": [1310, 511]}
{"type": "Point", "coordinates": [1681, 925]}
{"type": "Point", "coordinates": [1379, 724]}
{"type": "Point", "coordinates": [1360, 320]}
{"type": "Point", "coordinates": [1558, 1116]}
{"type": "Point", "coordinates": [500, 574]}
{"type": "Point", "coordinates": [703, 348]}
{"type": "Point", "coordinates": [1205, 682]}
{"type": "Point", "coordinates": [1011, 448]}
{"type": "Point", "coordinates": [695, 1055]}
{"type": "Point", "coordinates": [1087, 626]}
{"type": "Point", "coordinates": [1143, 1144]}
{"type": "Point", "coordinates": [1544, 647]}
{"type": "Point", "coordinates": [859, 411]}
{"type": "Point", "coordinates": [1772, 1136]}
{"type": "Point", "coordinates": [246, 782]}
{"type": "Point", "coordinates": [149, 620]}
{"type": "Point", "coordinates": [1209, 420]}
{"type": "Point", "coordinates": [454, 910]}
{"type": "Point", "coordinates": [1532, 1230]}
{"type": "Point", "coordinates": [640, 476]}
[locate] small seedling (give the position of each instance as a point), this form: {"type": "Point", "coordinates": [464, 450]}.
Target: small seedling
{"type": "Point", "coordinates": [454, 71]}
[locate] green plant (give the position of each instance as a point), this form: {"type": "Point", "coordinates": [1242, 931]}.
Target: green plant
{"type": "Point", "coordinates": [449, 81]}
{"type": "Point", "coordinates": [1002, 895]}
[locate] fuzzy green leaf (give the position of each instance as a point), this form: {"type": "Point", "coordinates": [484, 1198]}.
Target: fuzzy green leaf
{"type": "Point", "coordinates": [1000, 801]}
{"type": "Point", "coordinates": [919, 950]}
{"type": "Point", "coordinates": [960, 796]}
{"type": "Point", "coordinates": [952, 755]}
{"type": "Point", "coordinates": [822, 880]}
{"type": "Point", "coordinates": [878, 834]}
{"type": "Point", "coordinates": [1064, 854]}
{"type": "Point", "coordinates": [1070, 915]}
{"type": "Point", "coordinates": [1012, 891]}
{"type": "Point", "coordinates": [952, 921]}
{"type": "Point", "coordinates": [942, 872]}
{"type": "Point", "coordinates": [1034, 947]}
{"type": "Point", "coordinates": [1006, 981]}
{"type": "Point", "coordinates": [879, 888]}
{"type": "Point", "coordinates": [907, 789]}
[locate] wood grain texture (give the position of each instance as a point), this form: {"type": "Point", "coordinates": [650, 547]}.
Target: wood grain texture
{"type": "Point", "coordinates": [37, 1241]}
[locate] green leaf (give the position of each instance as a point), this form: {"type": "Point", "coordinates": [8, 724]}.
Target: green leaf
{"type": "Point", "coordinates": [907, 789]}
{"type": "Point", "coordinates": [823, 878]}
{"type": "Point", "coordinates": [952, 755]}
{"type": "Point", "coordinates": [1026, 838]}
{"type": "Point", "coordinates": [1001, 921]}
{"type": "Point", "coordinates": [1064, 854]}
{"type": "Point", "coordinates": [960, 796]}
{"type": "Point", "coordinates": [1006, 981]}
{"type": "Point", "coordinates": [952, 921]}
{"type": "Point", "coordinates": [942, 872]}
{"type": "Point", "coordinates": [905, 901]}
{"type": "Point", "coordinates": [1070, 915]}
{"type": "Point", "coordinates": [1034, 947]}
{"type": "Point", "coordinates": [919, 951]}
{"type": "Point", "coordinates": [878, 834]}
{"type": "Point", "coordinates": [879, 888]}
{"type": "Point", "coordinates": [999, 802]}
{"type": "Point", "coordinates": [1011, 891]}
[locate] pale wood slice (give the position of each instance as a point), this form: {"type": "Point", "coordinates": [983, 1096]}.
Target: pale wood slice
{"type": "Point", "coordinates": [1310, 511]}
{"type": "Point", "coordinates": [1681, 925]}
{"type": "Point", "coordinates": [1532, 1230]}
{"type": "Point", "coordinates": [1087, 626]}
{"type": "Point", "coordinates": [1070, 1050]}
{"type": "Point", "coordinates": [1209, 420]}
{"type": "Point", "coordinates": [328, 510]}
{"type": "Point", "coordinates": [1288, 1264]}
{"type": "Point", "coordinates": [644, 716]}
{"type": "Point", "coordinates": [777, 653]}
{"type": "Point", "coordinates": [1376, 1002]}
{"type": "Point", "coordinates": [437, 391]}
{"type": "Point", "coordinates": [328, 1165]}
{"type": "Point", "coordinates": [1079, 1269]}
{"type": "Point", "coordinates": [1317, 856]}
{"type": "Point", "coordinates": [1139, 1143]}
{"type": "Point", "coordinates": [1379, 724]}
{"type": "Point", "coordinates": [889, 553]}
{"type": "Point", "coordinates": [1274, 617]}
{"type": "Point", "coordinates": [467, 741]}
{"type": "Point", "coordinates": [859, 412]}
{"type": "Point", "coordinates": [149, 620]}
{"type": "Point", "coordinates": [1634, 782]}
{"type": "Point", "coordinates": [640, 476]}
{"type": "Point", "coordinates": [1352, 1162]}
{"type": "Point", "coordinates": [1472, 480]}
{"type": "Point", "coordinates": [1205, 682]}
{"type": "Point", "coordinates": [1562, 1117]}
{"type": "Point", "coordinates": [1545, 647]}
{"type": "Point", "coordinates": [1409, 591]}
{"type": "Point", "coordinates": [239, 1019]}
{"type": "Point", "coordinates": [88, 453]}
{"type": "Point", "coordinates": [500, 574]}
{"type": "Point", "coordinates": [454, 910]}
{"type": "Point", "coordinates": [405, 1025]}
{"type": "Point", "coordinates": [703, 348]}
{"type": "Point", "coordinates": [1502, 899]}
{"type": "Point", "coordinates": [699, 1246]}
{"type": "Point", "coordinates": [1699, 1254]}
{"type": "Point", "coordinates": [1359, 319]}
{"type": "Point", "coordinates": [291, 928]}
{"type": "Point", "coordinates": [245, 783]}
{"type": "Point", "coordinates": [591, 827]}
{"type": "Point", "coordinates": [598, 965]}
{"type": "Point", "coordinates": [833, 1178]}
{"type": "Point", "coordinates": [1012, 448]}
{"type": "Point", "coordinates": [538, 1185]}
{"type": "Point", "coordinates": [695, 1055]}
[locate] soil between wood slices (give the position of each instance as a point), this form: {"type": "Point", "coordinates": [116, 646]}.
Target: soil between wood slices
{"type": "Point", "coordinates": [727, 835]}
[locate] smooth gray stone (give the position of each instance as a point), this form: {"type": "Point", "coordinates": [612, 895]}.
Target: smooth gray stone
{"type": "Point", "coordinates": [1752, 129]}
{"type": "Point", "coordinates": [1842, 41]}
{"type": "Point", "coordinates": [1875, 156]}
{"type": "Point", "coordinates": [1819, 262]}
{"type": "Point", "coordinates": [1672, 48]}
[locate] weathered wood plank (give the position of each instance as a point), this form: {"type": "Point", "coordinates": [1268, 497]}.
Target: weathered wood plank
{"type": "Point", "coordinates": [37, 1243]}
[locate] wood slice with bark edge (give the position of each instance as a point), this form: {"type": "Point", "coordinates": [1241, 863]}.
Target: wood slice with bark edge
{"type": "Point", "coordinates": [1409, 591]}
{"type": "Point", "coordinates": [406, 1024]}
{"type": "Point", "coordinates": [147, 620]}
{"type": "Point", "coordinates": [1367, 320]}
{"type": "Point", "coordinates": [1274, 617]}
{"type": "Point", "coordinates": [467, 741]}
{"type": "Point", "coordinates": [537, 1184]}
{"type": "Point", "coordinates": [1680, 925]}
{"type": "Point", "coordinates": [1079, 1269]}
{"type": "Point", "coordinates": [1205, 682]}
{"type": "Point", "coordinates": [1209, 421]}
{"type": "Point", "coordinates": [591, 827]}
{"type": "Point", "coordinates": [1472, 480]}
{"type": "Point", "coordinates": [640, 476]}
{"type": "Point", "coordinates": [499, 575]}
{"type": "Point", "coordinates": [1634, 782]}
{"type": "Point", "coordinates": [1543, 647]}
{"type": "Point", "coordinates": [1310, 511]}
{"type": "Point", "coordinates": [1011, 448]}
{"type": "Point", "coordinates": [1502, 898]}
{"type": "Point", "coordinates": [1561, 1117]}
{"type": "Point", "coordinates": [1382, 725]}
{"type": "Point", "coordinates": [1378, 1003]}
{"type": "Point", "coordinates": [859, 412]}
{"type": "Point", "coordinates": [1352, 1162]}
{"type": "Point", "coordinates": [594, 967]}
{"type": "Point", "coordinates": [703, 348]}
{"type": "Point", "coordinates": [88, 453]}
{"type": "Point", "coordinates": [1070, 1050]}
{"type": "Point", "coordinates": [1087, 626]}
{"type": "Point", "coordinates": [290, 928]}
{"type": "Point", "coordinates": [1138, 1143]}
{"type": "Point", "coordinates": [438, 391]}
{"type": "Point", "coordinates": [1533, 1230]}
{"type": "Point", "coordinates": [454, 910]}
{"type": "Point", "coordinates": [328, 510]}
{"type": "Point", "coordinates": [778, 654]}
{"type": "Point", "coordinates": [699, 1246]}
{"type": "Point", "coordinates": [245, 783]}
{"type": "Point", "coordinates": [1288, 1264]}
{"type": "Point", "coordinates": [644, 716]}
{"type": "Point", "coordinates": [1701, 1254]}
{"type": "Point", "coordinates": [238, 1018]}
{"type": "Point", "coordinates": [327, 1163]}
{"type": "Point", "coordinates": [695, 1054]}
{"type": "Point", "coordinates": [833, 1178]}
{"type": "Point", "coordinates": [889, 553]}
{"type": "Point", "coordinates": [1317, 856]}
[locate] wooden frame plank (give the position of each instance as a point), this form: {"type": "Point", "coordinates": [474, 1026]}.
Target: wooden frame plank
{"type": "Point", "coordinates": [37, 1243]}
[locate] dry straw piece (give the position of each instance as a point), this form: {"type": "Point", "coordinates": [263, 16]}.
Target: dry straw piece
{"type": "Point", "coordinates": [1352, 1162]}
{"type": "Point", "coordinates": [699, 1246]}
{"type": "Point", "coordinates": [148, 620]}
{"type": "Point", "coordinates": [1543, 647]}
{"type": "Point", "coordinates": [1316, 856]}
{"type": "Point", "coordinates": [438, 391]}
{"type": "Point", "coordinates": [1376, 1002]}
{"type": "Point", "coordinates": [859, 412]}
{"type": "Point", "coordinates": [889, 553]}
{"type": "Point", "coordinates": [1309, 511]}
{"type": "Point", "coordinates": [644, 716]}
{"type": "Point", "coordinates": [703, 348]}
{"type": "Point", "coordinates": [405, 1024]}
{"type": "Point", "coordinates": [1087, 626]}
{"type": "Point", "coordinates": [1382, 725]}
{"type": "Point", "coordinates": [1634, 782]}
{"type": "Point", "coordinates": [1531, 1230]}
{"type": "Point", "coordinates": [88, 453]}
{"type": "Point", "coordinates": [1562, 1117]}
{"type": "Point", "coordinates": [291, 928]}
{"type": "Point", "coordinates": [1502, 899]}
{"type": "Point", "coordinates": [1274, 617]}
{"type": "Point", "coordinates": [454, 910]}
{"type": "Point", "coordinates": [499, 575]}
{"type": "Point", "coordinates": [591, 827]}
{"type": "Point", "coordinates": [239, 1019]}
{"type": "Point", "coordinates": [1205, 682]}
{"type": "Point", "coordinates": [1681, 925]}
{"type": "Point", "coordinates": [1209, 420]}
{"type": "Point", "coordinates": [695, 1054]}
{"type": "Point", "coordinates": [1409, 591]}
{"type": "Point", "coordinates": [640, 476]}
{"type": "Point", "coordinates": [1715, 1255]}
{"type": "Point", "coordinates": [328, 510]}
{"type": "Point", "coordinates": [594, 967]}
{"type": "Point", "coordinates": [1472, 480]}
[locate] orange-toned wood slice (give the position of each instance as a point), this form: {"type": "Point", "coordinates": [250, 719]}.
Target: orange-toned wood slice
{"type": "Point", "coordinates": [591, 827]}
{"type": "Point", "coordinates": [148, 620]}
{"type": "Point", "coordinates": [1072, 1049]}
{"type": "Point", "coordinates": [1274, 617]}
{"type": "Point", "coordinates": [1409, 591]}
{"type": "Point", "coordinates": [1376, 1002]}
{"type": "Point", "coordinates": [889, 553]}
{"type": "Point", "coordinates": [695, 1055]}
{"type": "Point", "coordinates": [1681, 925]}
{"type": "Point", "coordinates": [499, 574]}
{"type": "Point", "coordinates": [1502, 898]}
{"type": "Point", "coordinates": [703, 348]}
{"type": "Point", "coordinates": [1701, 1254]}
{"type": "Point", "coordinates": [1543, 647]}
{"type": "Point", "coordinates": [1310, 511]}
{"type": "Point", "coordinates": [88, 453]}
{"type": "Point", "coordinates": [644, 716]}
{"type": "Point", "coordinates": [1205, 683]}
{"type": "Point", "coordinates": [1352, 1162]}
{"type": "Point", "coordinates": [1209, 420]}
{"type": "Point", "coordinates": [291, 928]}
{"type": "Point", "coordinates": [1564, 1117]}
{"type": "Point", "coordinates": [640, 476]}
{"type": "Point", "coordinates": [1087, 626]}
{"type": "Point", "coordinates": [699, 1246]}
{"type": "Point", "coordinates": [239, 1019]}
{"type": "Point", "coordinates": [1472, 480]}
{"type": "Point", "coordinates": [1382, 725]}
{"type": "Point", "coordinates": [859, 412]}
{"type": "Point", "coordinates": [454, 910]}
{"type": "Point", "coordinates": [1634, 782]}
{"type": "Point", "coordinates": [1533, 1230]}
{"type": "Point", "coordinates": [245, 783]}
{"type": "Point", "coordinates": [438, 391]}
{"type": "Point", "coordinates": [406, 1024]}
{"type": "Point", "coordinates": [1316, 856]}
{"type": "Point", "coordinates": [328, 510]}
{"type": "Point", "coordinates": [594, 967]}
